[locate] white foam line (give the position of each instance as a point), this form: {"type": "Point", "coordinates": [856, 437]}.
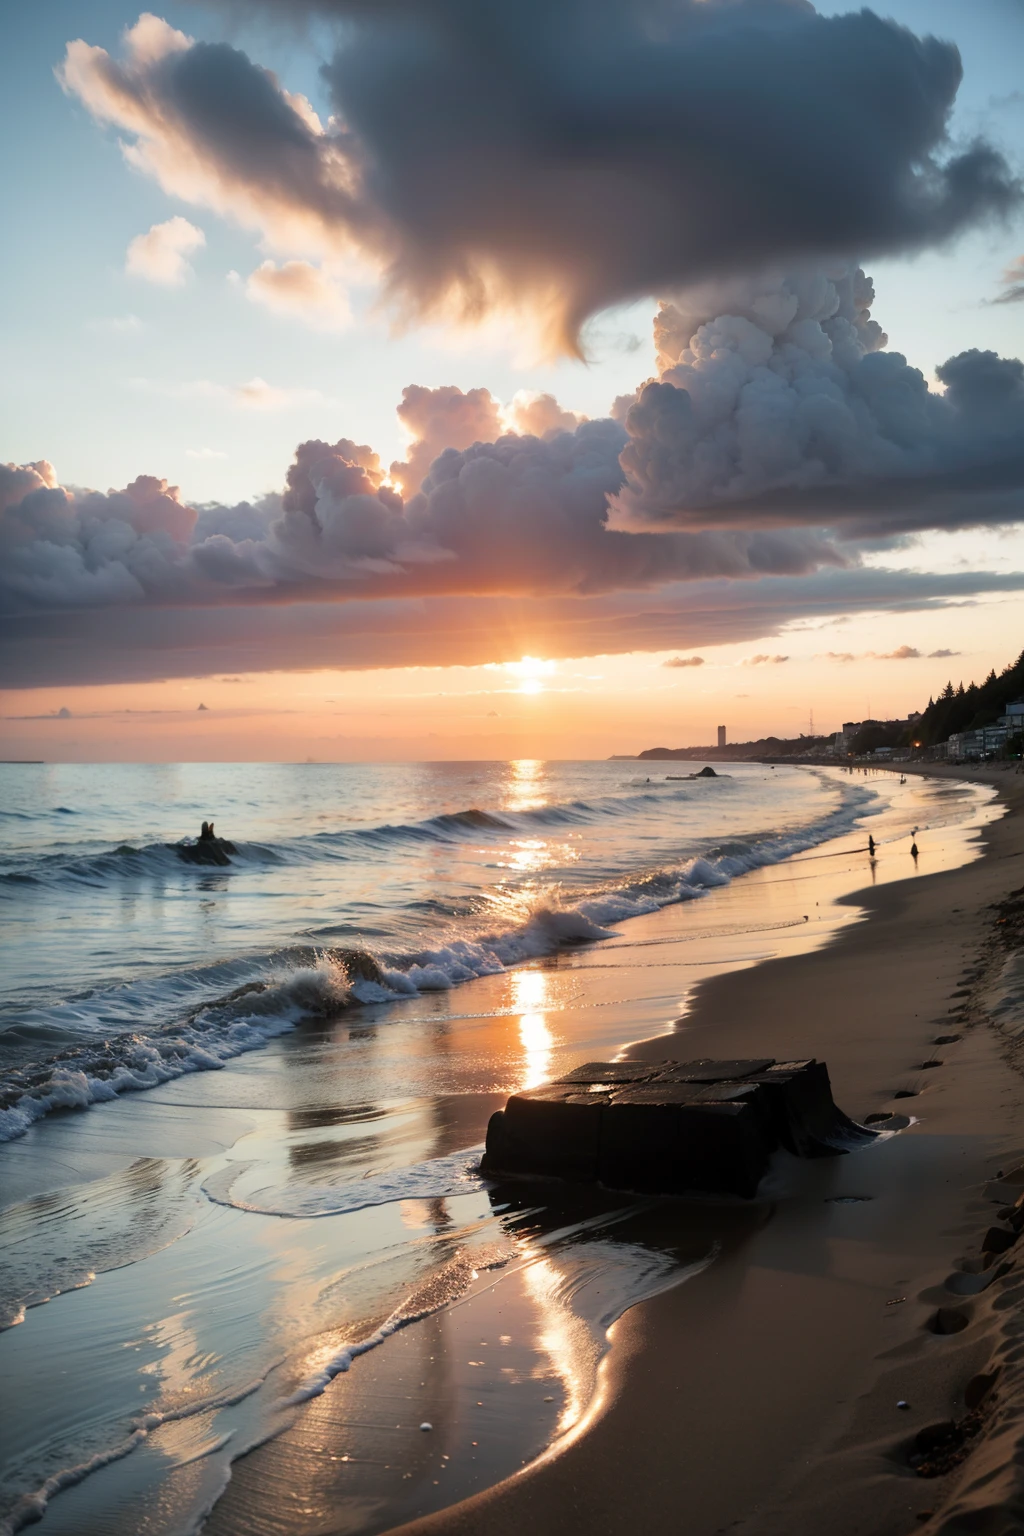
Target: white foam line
{"type": "Point", "coordinates": [32, 1506]}
{"type": "Point", "coordinates": [440, 1178]}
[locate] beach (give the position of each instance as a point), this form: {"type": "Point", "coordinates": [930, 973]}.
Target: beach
{"type": "Point", "coordinates": [787, 1398]}
{"type": "Point", "coordinates": [312, 1271]}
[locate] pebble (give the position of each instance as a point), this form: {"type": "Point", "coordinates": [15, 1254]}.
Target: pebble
{"type": "Point", "coordinates": [425, 1425]}
{"type": "Point", "coordinates": [902, 1403]}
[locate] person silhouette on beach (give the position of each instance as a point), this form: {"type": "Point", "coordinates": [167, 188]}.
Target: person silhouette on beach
{"type": "Point", "coordinates": [913, 850]}
{"type": "Point", "coordinates": [871, 845]}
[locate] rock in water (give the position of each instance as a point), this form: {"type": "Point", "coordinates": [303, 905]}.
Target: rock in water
{"type": "Point", "coordinates": [205, 850]}
{"type": "Point", "coordinates": [706, 773]}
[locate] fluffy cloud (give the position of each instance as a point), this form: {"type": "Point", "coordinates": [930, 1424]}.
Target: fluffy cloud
{"type": "Point", "coordinates": [301, 291]}
{"type": "Point", "coordinates": [777, 403]}
{"type": "Point", "coordinates": [564, 155]}
{"type": "Point", "coordinates": [901, 653]}
{"type": "Point", "coordinates": [65, 550]}
{"type": "Point", "coordinates": [519, 515]}
{"type": "Point", "coordinates": [684, 661]}
{"type": "Point", "coordinates": [539, 415]}
{"type": "Point", "coordinates": [764, 660]}
{"type": "Point", "coordinates": [160, 255]}
{"type": "Point", "coordinates": [771, 429]}
{"type": "Point", "coordinates": [437, 419]}
{"type": "Point", "coordinates": [553, 159]}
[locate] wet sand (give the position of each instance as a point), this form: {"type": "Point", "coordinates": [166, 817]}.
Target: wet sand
{"type": "Point", "coordinates": [765, 1395]}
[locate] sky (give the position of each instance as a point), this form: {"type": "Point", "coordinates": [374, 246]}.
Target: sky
{"type": "Point", "coordinates": [481, 380]}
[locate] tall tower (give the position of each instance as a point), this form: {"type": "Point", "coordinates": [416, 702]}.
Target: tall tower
{"type": "Point", "coordinates": [721, 735]}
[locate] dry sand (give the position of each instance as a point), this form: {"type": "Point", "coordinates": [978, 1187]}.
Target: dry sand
{"type": "Point", "coordinates": [783, 1390]}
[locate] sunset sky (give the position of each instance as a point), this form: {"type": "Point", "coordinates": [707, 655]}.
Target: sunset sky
{"type": "Point", "coordinates": [553, 378]}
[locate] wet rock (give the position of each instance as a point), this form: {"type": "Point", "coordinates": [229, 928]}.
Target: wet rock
{"type": "Point", "coordinates": [208, 851]}
{"type": "Point", "coordinates": [708, 1070]}
{"type": "Point", "coordinates": [550, 1132]}
{"type": "Point", "coordinates": [615, 1072]}
{"type": "Point", "coordinates": [660, 1139]}
{"type": "Point", "coordinates": [670, 1127]}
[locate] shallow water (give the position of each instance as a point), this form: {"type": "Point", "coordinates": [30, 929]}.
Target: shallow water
{"type": "Point", "coordinates": [297, 1250]}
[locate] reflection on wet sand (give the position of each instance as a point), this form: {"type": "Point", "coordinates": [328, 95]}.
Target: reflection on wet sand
{"type": "Point", "coordinates": [529, 991]}
{"type": "Point", "coordinates": [505, 1361]}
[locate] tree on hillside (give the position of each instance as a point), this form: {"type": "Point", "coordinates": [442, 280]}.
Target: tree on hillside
{"type": "Point", "coordinates": [968, 709]}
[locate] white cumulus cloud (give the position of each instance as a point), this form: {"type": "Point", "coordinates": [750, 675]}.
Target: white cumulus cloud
{"type": "Point", "coordinates": [161, 254]}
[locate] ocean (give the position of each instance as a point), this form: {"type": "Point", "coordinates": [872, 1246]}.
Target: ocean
{"type": "Point", "coordinates": [242, 1106]}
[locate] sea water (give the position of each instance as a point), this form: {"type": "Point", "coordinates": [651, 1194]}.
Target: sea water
{"type": "Point", "coordinates": [262, 1221]}
{"type": "Point", "coordinates": [440, 871]}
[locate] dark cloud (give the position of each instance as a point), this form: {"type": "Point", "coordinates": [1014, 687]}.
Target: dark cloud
{"type": "Point", "coordinates": [563, 154]}
{"type": "Point", "coordinates": [70, 647]}
{"type": "Point", "coordinates": [776, 403]}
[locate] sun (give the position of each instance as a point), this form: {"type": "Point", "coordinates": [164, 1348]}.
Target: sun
{"type": "Point", "coordinates": [530, 670]}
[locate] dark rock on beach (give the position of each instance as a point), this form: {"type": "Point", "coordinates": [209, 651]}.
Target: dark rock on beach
{"type": "Point", "coordinates": [670, 1127]}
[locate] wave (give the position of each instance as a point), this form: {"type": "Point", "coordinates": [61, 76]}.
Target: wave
{"type": "Point", "coordinates": [296, 984]}
{"type": "Point", "coordinates": [245, 1020]}
{"type": "Point", "coordinates": [85, 867]}
{"type": "Point", "coordinates": [31, 1507]}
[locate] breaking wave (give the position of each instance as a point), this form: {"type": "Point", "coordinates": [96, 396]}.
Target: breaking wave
{"type": "Point", "coordinates": [243, 1021]}
{"type": "Point", "coordinates": [198, 1020]}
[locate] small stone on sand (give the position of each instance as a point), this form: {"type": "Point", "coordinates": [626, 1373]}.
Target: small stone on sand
{"type": "Point", "coordinates": [425, 1425]}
